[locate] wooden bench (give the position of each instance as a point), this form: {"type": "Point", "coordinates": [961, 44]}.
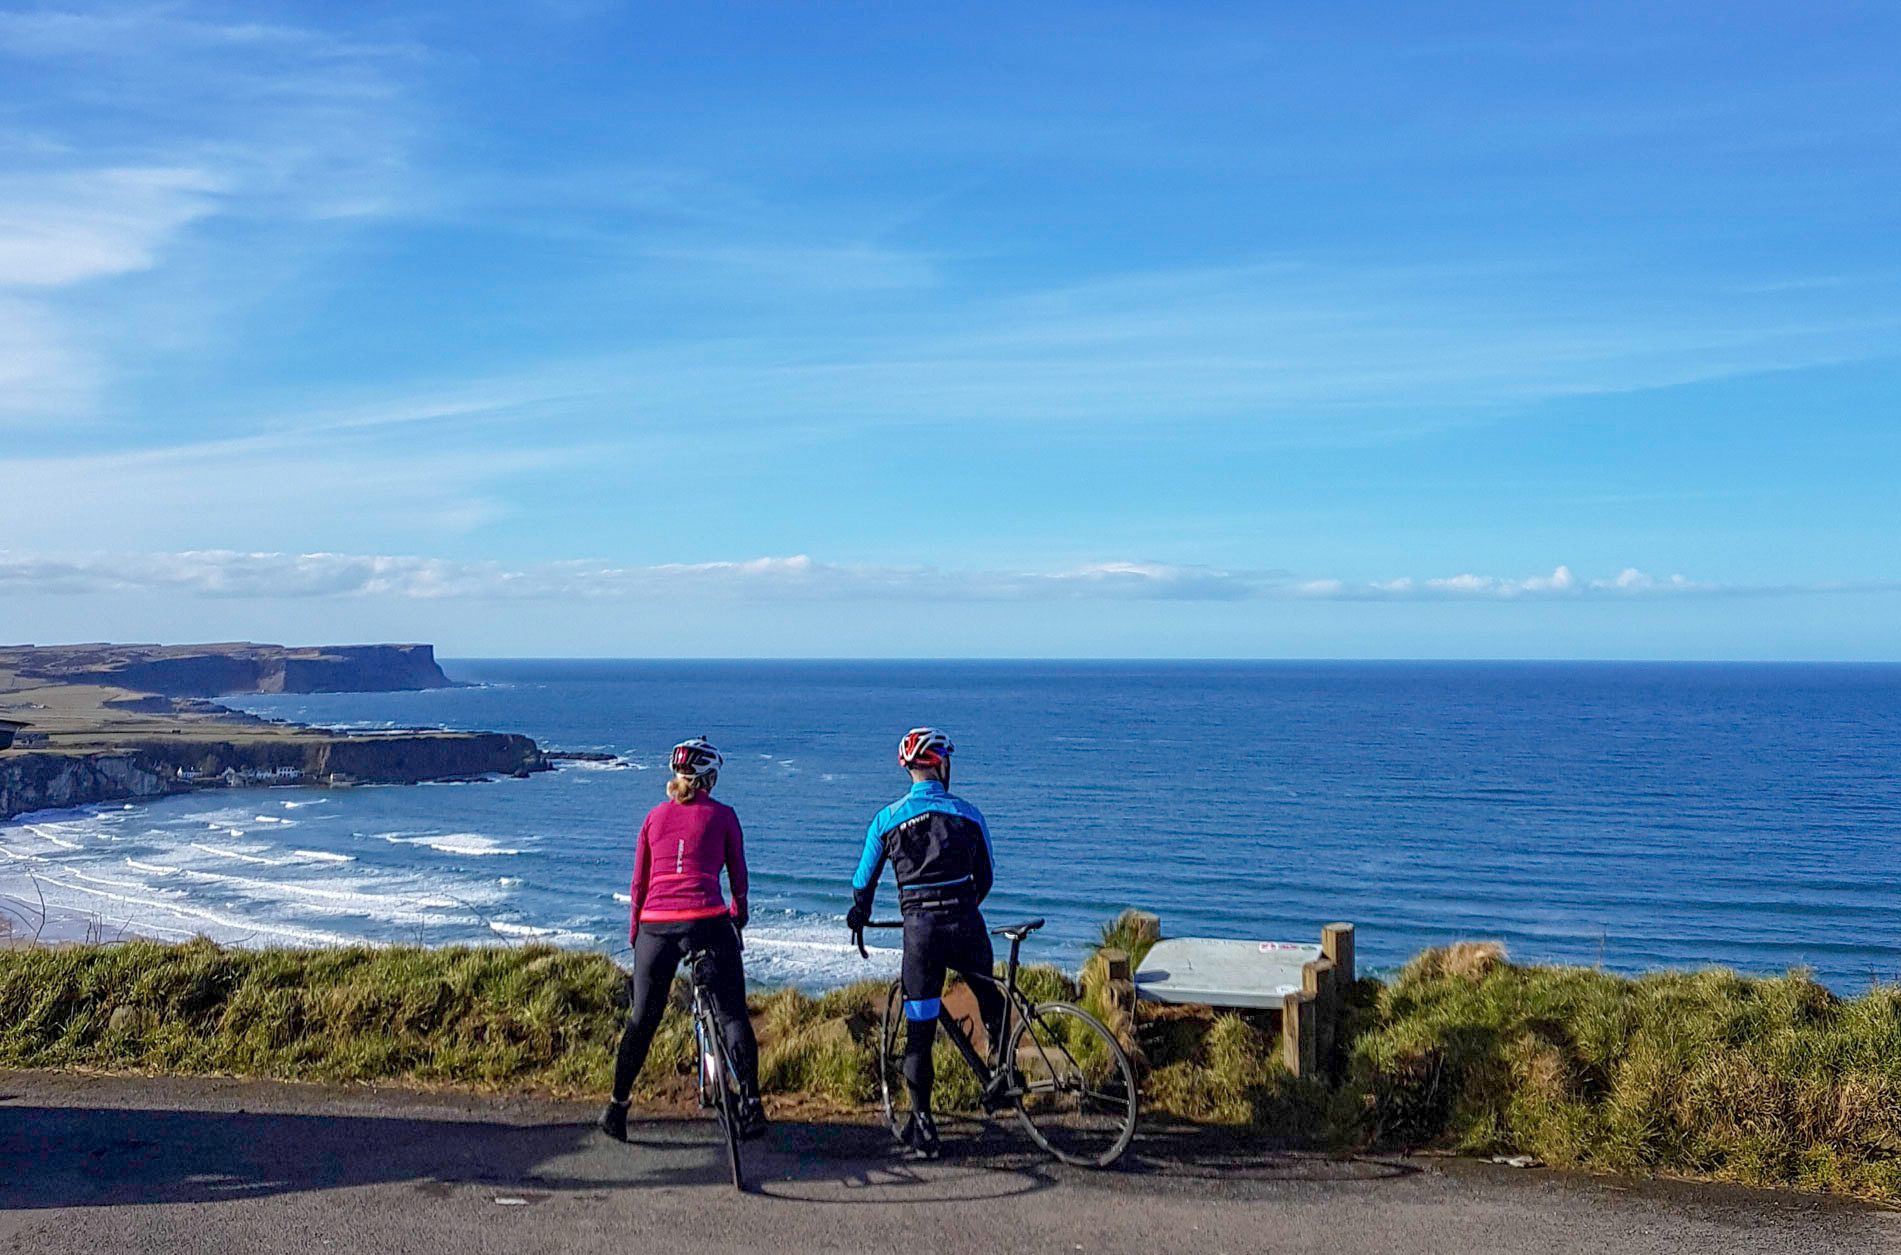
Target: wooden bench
{"type": "Point", "coordinates": [1305, 983]}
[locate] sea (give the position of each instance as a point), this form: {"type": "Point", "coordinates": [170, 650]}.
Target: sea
{"type": "Point", "coordinates": [1629, 816]}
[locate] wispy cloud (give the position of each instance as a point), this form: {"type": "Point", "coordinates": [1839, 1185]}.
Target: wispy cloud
{"type": "Point", "coordinates": [229, 574]}
{"type": "Point", "coordinates": [844, 267]}
{"type": "Point", "coordinates": [70, 226]}
{"type": "Point", "coordinates": [351, 482]}
{"type": "Point", "coordinates": [1308, 349]}
{"type": "Point", "coordinates": [161, 121]}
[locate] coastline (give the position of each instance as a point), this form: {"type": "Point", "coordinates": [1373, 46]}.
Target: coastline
{"type": "Point", "coordinates": [100, 724]}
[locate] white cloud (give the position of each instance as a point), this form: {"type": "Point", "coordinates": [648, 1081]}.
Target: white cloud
{"type": "Point", "coordinates": [350, 485]}
{"type": "Point", "coordinates": [1559, 581]}
{"type": "Point", "coordinates": [72, 226]}
{"type": "Point", "coordinates": [40, 373]}
{"type": "Point", "coordinates": [166, 121]}
{"type": "Point", "coordinates": [1310, 349]}
{"type": "Point", "coordinates": [230, 574]}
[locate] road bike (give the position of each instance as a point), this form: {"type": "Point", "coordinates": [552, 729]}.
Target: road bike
{"type": "Point", "coordinates": [1064, 1074]}
{"type": "Point", "coordinates": [718, 1078]}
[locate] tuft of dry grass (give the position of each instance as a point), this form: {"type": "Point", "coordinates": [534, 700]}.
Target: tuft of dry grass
{"type": "Point", "coordinates": [1462, 960]}
{"type": "Point", "coordinates": [1769, 1082]}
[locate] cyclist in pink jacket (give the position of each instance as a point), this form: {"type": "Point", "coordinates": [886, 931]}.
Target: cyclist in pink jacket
{"type": "Point", "coordinates": [684, 844]}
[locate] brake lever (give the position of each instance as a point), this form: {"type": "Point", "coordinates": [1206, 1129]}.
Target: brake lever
{"type": "Point", "coordinates": [858, 935]}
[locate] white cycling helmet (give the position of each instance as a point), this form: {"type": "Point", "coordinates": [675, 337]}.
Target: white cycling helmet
{"type": "Point", "coordinates": [924, 748]}
{"type": "Point", "coordinates": [696, 759]}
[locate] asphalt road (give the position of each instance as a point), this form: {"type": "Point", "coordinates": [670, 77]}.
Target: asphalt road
{"type": "Point", "coordinates": [114, 1164]}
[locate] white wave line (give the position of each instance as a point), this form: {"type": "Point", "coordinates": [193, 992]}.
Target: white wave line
{"type": "Point", "coordinates": [249, 858]}
{"type": "Point", "coordinates": [828, 947]}
{"type": "Point", "coordinates": [280, 887]}
{"type": "Point", "coordinates": [223, 921]}
{"type": "Point", "coordinates": [121, 884]}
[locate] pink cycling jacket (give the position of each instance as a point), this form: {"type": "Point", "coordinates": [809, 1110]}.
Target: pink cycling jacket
{"type": "Point", "coordinates": [682, 847]}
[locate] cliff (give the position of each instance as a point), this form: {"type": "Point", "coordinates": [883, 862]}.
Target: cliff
{"type": "Point", "coordinates": [35, 782]}
{"type": "Point", "coordinates": [240, 667]}
{"type": "Point", "coordinates": [117, 722]}
{"type": "Point", "coordinates": [47, 781]}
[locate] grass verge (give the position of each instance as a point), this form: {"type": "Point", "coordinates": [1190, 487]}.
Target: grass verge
{"type": "Point", "coordinates": [1770, 1082]}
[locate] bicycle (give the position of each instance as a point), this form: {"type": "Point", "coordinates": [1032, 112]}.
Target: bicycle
{"type": "Point", "coordinates": [718, 1078]}
{"type": "Point", "coordinates": [1065, 1075]}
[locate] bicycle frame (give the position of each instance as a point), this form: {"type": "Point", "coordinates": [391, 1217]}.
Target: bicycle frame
{"type": "Point", "coordinates": [1031, 1070]}
{"type": "Point", "coordinates": [706, 1053]}
{"type": "Point", "coordinates": [1015, 1010]}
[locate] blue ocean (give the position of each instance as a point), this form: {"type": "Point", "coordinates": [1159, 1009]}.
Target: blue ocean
{"type": "Point", "coordinates": [1630, 815]}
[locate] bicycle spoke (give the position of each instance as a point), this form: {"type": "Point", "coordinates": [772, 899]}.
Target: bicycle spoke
{"type": "Point", "coordinates": [1078, 1089]}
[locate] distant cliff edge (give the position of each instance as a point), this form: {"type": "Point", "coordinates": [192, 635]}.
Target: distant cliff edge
{"type": "Point", "coordinates": [46, 781]}
{"type": "Point", "coordinates": [238, 667]}
{"type": "Point", "coordinates": [83, 724]}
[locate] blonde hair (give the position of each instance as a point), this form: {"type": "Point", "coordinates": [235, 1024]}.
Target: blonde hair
{"type": "Point", "coordinates": [685, 788]}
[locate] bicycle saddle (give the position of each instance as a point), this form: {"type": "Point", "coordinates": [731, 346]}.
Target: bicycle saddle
{"type": "Point", "coordinates": [1017, 932]}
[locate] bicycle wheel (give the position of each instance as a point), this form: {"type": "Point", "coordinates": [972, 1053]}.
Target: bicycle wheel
{"type": "Point", "coordinates": [891, 1087]}
{"type": "Point", "coordinates": [1079, 1096]}
{"type": "Point", "coordinates": [725, 1089]}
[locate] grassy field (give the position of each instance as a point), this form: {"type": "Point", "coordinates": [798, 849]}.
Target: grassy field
{"type": "Point", "coordinates": [1763, 1081]}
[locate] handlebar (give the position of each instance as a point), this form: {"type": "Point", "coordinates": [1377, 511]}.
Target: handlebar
{"type": "Point", "coordinates": [858, 934]}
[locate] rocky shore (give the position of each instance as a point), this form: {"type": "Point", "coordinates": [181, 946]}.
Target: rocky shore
{"type": "Point", "coordinates": [113, 723]}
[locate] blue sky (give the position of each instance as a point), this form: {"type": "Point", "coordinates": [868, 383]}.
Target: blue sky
{"type": "Point", "coordinates": [1396, 330]}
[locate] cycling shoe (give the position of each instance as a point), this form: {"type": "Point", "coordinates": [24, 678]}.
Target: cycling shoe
{"type": "Point", "coordinates": [752, 1119]}
{"type": "Point", "coordinates": [920, 1137]}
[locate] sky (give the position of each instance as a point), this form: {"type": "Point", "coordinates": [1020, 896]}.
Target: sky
{"type": "Point", "coordinates": [574, 328]}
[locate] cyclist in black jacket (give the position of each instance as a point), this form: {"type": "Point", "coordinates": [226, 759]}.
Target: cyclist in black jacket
{"type": "Point", "coordinates": [939, 846]}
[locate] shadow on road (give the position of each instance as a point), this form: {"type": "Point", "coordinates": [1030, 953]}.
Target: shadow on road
{"type": "Point", "coordinates": [56, 1156]}
{"type": "Point", "coordinates": [855, 1164]}
{"type": "Point", "coordinates": [81, 1157]}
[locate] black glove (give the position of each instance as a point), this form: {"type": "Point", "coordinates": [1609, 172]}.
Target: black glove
{"type": "Point", "coordinates": [740, 917]}
{"type": "Point", "coordinates": [857, 917]}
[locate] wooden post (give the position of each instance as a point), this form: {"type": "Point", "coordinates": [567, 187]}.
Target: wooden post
{"type": "Point", "coordinates": [1297, 1033]}
{"type": "Point", "coordinates": [1111, 968]}
{"type": "Point", "coordinates": [1336, 943]}
{"type": "Point", "coordinates": [1316, 979]}
{"type": "Point", "coordinates": [1142, 925]}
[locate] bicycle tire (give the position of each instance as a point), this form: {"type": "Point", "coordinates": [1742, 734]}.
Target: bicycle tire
{"type": "Point", "coordinates": [724, 1099]}
{"type": "Point", "coordinates": [1078, 1096]}
{"type": "Point", "coordinates": [729, 1121]}
{"type": "Point", "coordinates": [892, 1091]}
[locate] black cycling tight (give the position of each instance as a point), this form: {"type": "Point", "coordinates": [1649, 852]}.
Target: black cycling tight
{"type": "Point", "coordinates": [936, 940]}
{"type": "Point", "coordinates": [658, 949]}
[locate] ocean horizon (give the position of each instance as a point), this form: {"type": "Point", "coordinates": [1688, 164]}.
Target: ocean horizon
{"type": "Point", "coordinates": [1634, 815]}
